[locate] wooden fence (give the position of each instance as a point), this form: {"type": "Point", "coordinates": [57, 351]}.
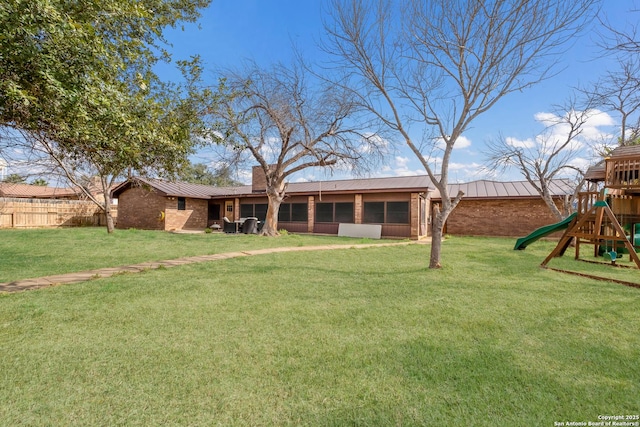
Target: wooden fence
{"type": "Point", "coordinates": [35, 213]}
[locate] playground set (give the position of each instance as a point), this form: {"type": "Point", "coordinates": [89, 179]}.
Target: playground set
{"type": "Point", "coordinates": [607, 215]}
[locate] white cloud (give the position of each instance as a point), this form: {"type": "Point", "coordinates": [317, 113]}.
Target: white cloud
{"type": "Point", "coordinates": [580, 163]}
{"type": "Point", "coordinates": [552, 143]}
{"type": "Point", "coordinates": [548, 119]}
{"type": "Point", "coordinates": [590, 131]}
{"type": "Point", "coordinates": [245, 175]}
{"type": "Point", "coordinates": [434, 162]}
{"type": "Point", "coordinates": [375, 139]}
{"type": "Point", "coordinates": [593, 132]}
{"type": "Point", "coordinates": [517, 143]}
{"type": "Point", "coordinates": [468, 167]}
{"type": "Point", "coordinates": [600, 118]}
{"type": "Point", "coordinates": [461, 142]}
{"type": "Point", "coordinates": [401, 162]}
{"type": "Point", "coordinates": [400, 166]}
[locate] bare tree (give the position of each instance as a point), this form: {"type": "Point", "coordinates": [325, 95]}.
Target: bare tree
{"type": "Point", "coordinates": [618, 91]}
{"type": "Point", "coordinates": [288, 124]}
{"type": "Point", "coordinates": [437, 65]}
{"type": "Point", "coordinates": [548, 155]}
{"type": "Point", "coordinates": [91, 173]}
{"type": "Point", "coordinates": [622, 37]}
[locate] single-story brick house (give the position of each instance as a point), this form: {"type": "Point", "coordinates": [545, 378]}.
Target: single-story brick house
{"type": "Point", "coordinates": [494, 208]}
{"type": "Point", "coordinates": [401, 205]}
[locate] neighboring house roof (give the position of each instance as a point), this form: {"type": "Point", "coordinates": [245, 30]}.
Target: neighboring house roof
{"type": "Point", "coordinates": [95, 187]}
{"type": "Point", "coordinates": [484, 189]}
{"type": "Point", "coordinates": [27, 191]}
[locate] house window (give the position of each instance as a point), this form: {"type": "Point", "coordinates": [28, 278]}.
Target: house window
{"type": "Point", "coordinates": [246, 211]}
{"type": "Point", "coordinates": [324, 212]}
{"type": "Point", "coordinates": [373, 212]}
{"type": "Point", "coordinates": [258, 210]}
{"type": "Point", "coordinates": [334, 212]}
{"type": "Point", "coordinates": [214, 212]}
{"type": "Point", "coordinates": [344, 212]}
{"type": "Point", "coordinates": [386, 212]}
{"type": "Point", "coordinates": [182, 203]}
{"type": "Point", "coordinates": [284, 214]}
{"type": "Point", "coordinates": [293, 212]}
{"type": "Point", "coordinates": [398, 212]}
{"type": "Point", "coordinates": [299, 212]}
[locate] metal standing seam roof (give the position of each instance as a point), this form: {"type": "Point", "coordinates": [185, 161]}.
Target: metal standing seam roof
{"type": "Point", "coordinates": [180, 189]}
{"type": "Point", "coordinates": [498, 189]}
{"type": "Point", "coordinates": [364, 184]}
{"type": "Point", "coordinates": [475, 189]}
{"type": "Point", "coordinates": [199, 191]}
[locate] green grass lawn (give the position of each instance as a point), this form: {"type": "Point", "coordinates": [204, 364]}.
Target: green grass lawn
{"type": "Point", "coordinates": [42, 252]}
{"type": "Point", "coordinates": [344, 337]}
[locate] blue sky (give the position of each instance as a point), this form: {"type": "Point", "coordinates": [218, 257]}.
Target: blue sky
{"type": "Point", "coordinates": [231, 31]}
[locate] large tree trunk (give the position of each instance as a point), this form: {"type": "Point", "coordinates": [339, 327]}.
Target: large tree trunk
{"type": "Point", "coordinates": [275, 193]}
{"type": "Point", "coordinates": [436, 238]}
{"type": "Point", "coordinates": [437, 228]}
{"type": "Point", "coordinates": [270, 227]}
{"type": "Point", "coordinates": [107, 208]}
{"type": "Point", "coordinates": [110, 224]}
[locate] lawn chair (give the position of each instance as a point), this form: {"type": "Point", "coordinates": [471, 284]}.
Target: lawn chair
{"type": "Point", "coordinates": [250, 226]}
{"type": "Point", "coordinates": [229, 227]}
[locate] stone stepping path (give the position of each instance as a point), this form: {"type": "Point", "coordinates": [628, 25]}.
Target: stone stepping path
{"type": "Point", "coordinates": [83, 276]}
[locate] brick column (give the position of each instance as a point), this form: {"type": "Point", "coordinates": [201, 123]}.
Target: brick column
{"type": "Point", "coordinates": [311, 210]}
{"type": "Point", "coordinates": [357, 209]}
{"type": "Point", "coordinates": [414, 215]}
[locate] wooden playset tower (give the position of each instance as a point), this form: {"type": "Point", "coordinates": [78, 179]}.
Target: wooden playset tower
{"type": "Point", "coordinates": [607, 218]}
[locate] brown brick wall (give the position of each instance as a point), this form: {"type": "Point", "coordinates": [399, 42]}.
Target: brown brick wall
{"type": "Point", "coordinates": [194, 217]}
{"type": "Point", "coordinates": [506, 217]}
{"type": "Point", "coordinates": [140, 208]}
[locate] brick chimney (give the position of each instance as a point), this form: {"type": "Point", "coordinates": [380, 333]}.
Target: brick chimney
{"type": "Point", "coordinates": [258, 180]}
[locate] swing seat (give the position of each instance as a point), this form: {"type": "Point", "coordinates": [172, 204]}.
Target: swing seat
{"type": "Point", "coordinates": [610, 256]}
